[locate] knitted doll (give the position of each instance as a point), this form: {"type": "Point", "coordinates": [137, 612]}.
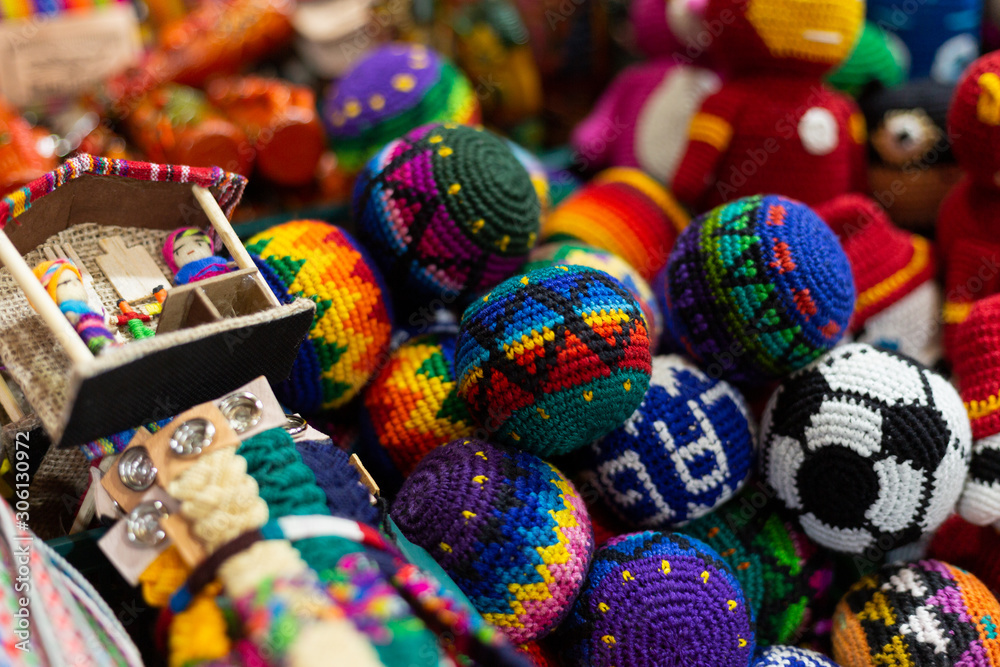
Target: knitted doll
{"type": "Point", "coordinates": [640, 120]}
{"type": "Point", "coordinates": [190, 254]}
{"type": "Point", "coordinates": [62, 281]}
{"type": "Point", "coordinates": [774, 127]}
{"type": "Point", "coordinates": [968, 229]}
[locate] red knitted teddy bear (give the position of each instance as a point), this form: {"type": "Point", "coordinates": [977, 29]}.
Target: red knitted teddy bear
{"type": "Point", "coordinates": [774, 127]}
{"type": "Point", "coordinates": [968, 229]}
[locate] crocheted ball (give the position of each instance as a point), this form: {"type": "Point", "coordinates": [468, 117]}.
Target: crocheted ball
{"type": "Point", "coordinates": [918, 613]}
{"type": "Point", "coordinates": [509, 528]}
{"type": "Point", "coordinates": [553, 359]}
{"type": "Point", "coordinates": [625, 212]}
{"type": "Point", "coordinates": [448, 210]}
{"type": "Point", "coordinates": [581, 254]}
{"type": "Point", "coordinates": [392, 90]}
{"type": "Point", "coordinates": [790, 656]}
{"type": "Point", "coordinates": [350, 332]}
{"type": "Point", "coordinates": [869, 447]}
{"type": "Point", "coordinates": [784, 575]}
{"type": "Point", "coordinates": [686, 450]}
{"type": "Point", "coordinates": [758, 288]}
{"type": "Point", "coordinates": [411, 407]}
{"type": "Point", "coordinates": [659, 599]}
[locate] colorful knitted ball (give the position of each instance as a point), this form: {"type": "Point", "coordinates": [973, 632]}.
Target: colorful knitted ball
{"type": "Point", "coordinates": [659, 599]}
{"type": "Point", "coordinates": [412, 406]}
{"type": "Point", "coordinates": [791, 656]}
{"type": "Point", "coordinates": [509, 528]}
{"type": "Point", "coordinates": [581, 254]}
{"type": "Point", "coordinates": [553, 359]}
{"type": "Point", "coordinates": [625, 212]}
{"type": "Point", "coordinates": [784, 575]}
{"type": "Point", "coordinates": [870, 448]}
{"type": "Point", "coordinates": [687, 449]}
{"type": "Point", "coordinates": [448, 210]}
{"type": "Point", "coordinates": [392, 90]}
{"type": "Point", "coordinates": [350, 333]}
{"type": "Point", "coordinates": [924, 613]}
{"type": "Point", "coordinates": [758, 288]}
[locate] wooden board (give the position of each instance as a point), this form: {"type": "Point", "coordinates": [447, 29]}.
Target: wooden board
{"type": "Point", "coordinates": [132, 271]}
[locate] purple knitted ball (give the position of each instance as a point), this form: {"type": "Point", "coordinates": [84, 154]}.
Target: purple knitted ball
{"type": "Point", "coordinates": [509, 528]}
{"type": "Point", "coordinates": [660, 599]}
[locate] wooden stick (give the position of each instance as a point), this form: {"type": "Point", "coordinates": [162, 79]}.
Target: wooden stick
{"type": "Point", "coordinates": [9, 403]}
{"type": "Point", "coordinates": [228, 236]}
{"type": "Point", "coordinates": [43, 304]}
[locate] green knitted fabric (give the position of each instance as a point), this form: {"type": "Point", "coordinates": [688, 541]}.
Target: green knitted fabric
{"type": "Point", "coordinates": [289, 488]}
{"type": "Point", "coordinates": [874, 60]}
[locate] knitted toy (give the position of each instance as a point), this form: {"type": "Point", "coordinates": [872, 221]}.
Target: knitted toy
{"type": "Point", "coordinates": [448, 210]}
{"type": "Point", "coordinates": [625, 212]}
{"type": "Point", "coordinates": [190, 254]}
{"type": "Point", "coordinates": [392, 90]}
{"type": "Point", "coordinates": [971, 547]}
{"type": "Point", "coordinates": [551, 360]}
{"type": "Point", "coordinates": [581, 254]}
{"type": "Point", "coordinates": [659, 599]}
{"type": "Point", "coordinates": [969, 217]}
{"type": "Point", "coordinates": [350, 334]}
{"type": "Point", "coordinates": [509, 528]}
{"type": "Point", "coordinates": [911, 167]}
{"type": "Point", "coordinates": [917, 613]}
{"type": "Point", "coordinates": [758, 288]}
{"type": "Point", "coordinates": [790, 656]}
{"type": "Point", "coordinates": [774, 127]}
{"type": "Point", "coordinates": [784, 575]}
{"type": "Point", "coordinates": [870, 449]}
{"type": "Point", "coordinates": [899, 302]}
{"type": "Point", "coordinates": [940, 39]}
{"type": "Point", "coordinates": [876, 61]}
{"type": "Point", "coordinates": [977, 351]}
{"type": "Point", "coordinates": [61, 279]}
{"type": "Point", "coordinates": [411, 407]}
{"type": "Point", "coordinates": [686, 450]}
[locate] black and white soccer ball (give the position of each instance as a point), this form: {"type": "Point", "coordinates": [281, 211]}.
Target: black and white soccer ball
{"type": "Point", "coordinates": [869, 447]}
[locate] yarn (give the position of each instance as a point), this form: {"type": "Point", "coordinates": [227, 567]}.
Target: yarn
{"type": "Point", "coordinates": [758, 288]}
{"type": "Point", "coordinates": [553, 359]}
{"type": "Point", "coordinates": [510, 530]}
{"type": "Point", "coordinates": [790, 656]}
{"type": "Point", "coordinates": [411, 407]}
{"type": "Point", "coordinates": [350, 333]}
{"type": "Point", "coordinates": [917, 613]}
{"type": "Point", "coordinates": [447, 210]}
{"type": "Point", "coordinates": [199, 633]}
{"type": "Point", "coordinates": [876, 61]}
{"type": "Point", "coordinates": [898, 301]}
{"type": "Point", "coordinates": [625, 212]}
{"type": "Point", "coordinates": [659, 598]}
{"type": "Point", "coordinates": [869, 448]}
{"type": "Point", "coordinates": [581, 254]}
{"type": "Point", "coordinates": [72, 301]}
{"type": "Point", "coordinates": [783, 574]}
{"type": "Point", "coordinates": [970, 547]}
{"type": "Point", "coordinates": [687, 449]}
{"type": "Point", "coordinates": [939, 39]}
{"type": "Point", "coordinates": [339, 481]}
{"type": "Point", "coordinates": [977, 352]}
{"type": "Point", "coordinates": [162, 577]}
{"type": "Point", "coordinates": [393, 89]}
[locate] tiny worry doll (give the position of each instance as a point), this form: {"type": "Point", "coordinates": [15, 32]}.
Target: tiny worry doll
{"type": "Point", "coordinates": [61, 279]}
{"type": "Point", "coordinates": [190, 254]}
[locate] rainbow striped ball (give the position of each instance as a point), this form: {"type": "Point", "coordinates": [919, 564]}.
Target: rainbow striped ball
{"type": "Point", "coordinates": [448, 210]}
{"type": "Point", "coordinates": [659, 599]}
{"type": "Point", "coordinates": [553, 359]}
{"type": "Point", "coordinates": [351, 329]}
{"type": "Point", "coordinates": [758, 288]}
{"type": "Point", "coordinates": [392, 90]}
{"type": "Point", "coordinates": [412, 406]}
{"type": "Point", "coordinates": [581, 254]}
{"type": "Point", "coordinates": [509, 529]}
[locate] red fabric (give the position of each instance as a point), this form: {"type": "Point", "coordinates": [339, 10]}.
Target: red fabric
{"type": "Point", "coordinates": [974, 548]}
{"type": "Point", "coordinates": [977, 361]}
{"type": "Point", "coordinates": [539, 655]}
{"type": "Point", "coordinates": [766, 153]}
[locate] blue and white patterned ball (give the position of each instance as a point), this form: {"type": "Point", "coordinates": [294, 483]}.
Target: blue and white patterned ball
{"type": "Point", "coordinates": [687, 449]}
{"type": "Point", "coordinates": [790, 656]}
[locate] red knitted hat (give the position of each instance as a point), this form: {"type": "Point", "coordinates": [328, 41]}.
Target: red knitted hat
{"type": "Point", "coordinates": [974, 120]}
